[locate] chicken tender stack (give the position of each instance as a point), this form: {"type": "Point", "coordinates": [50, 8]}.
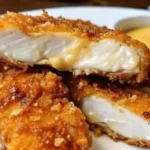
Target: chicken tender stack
{"type": "Point", "coordinates": [105, 64]}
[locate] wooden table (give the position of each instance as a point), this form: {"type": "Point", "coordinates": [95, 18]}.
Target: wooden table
{"type": "Point", "coordinates": [20, 5]}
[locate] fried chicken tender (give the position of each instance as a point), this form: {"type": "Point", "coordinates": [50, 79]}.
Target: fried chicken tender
{"type": "Point", "coordinates": [35, 113]}
{"type": "Point", "coordinates": [120, 110]}
{"type": "Point", "coordinates": [72, 45]}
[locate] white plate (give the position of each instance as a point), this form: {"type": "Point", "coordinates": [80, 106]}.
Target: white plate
{"type": "Point", "coordinates": [101, 16]}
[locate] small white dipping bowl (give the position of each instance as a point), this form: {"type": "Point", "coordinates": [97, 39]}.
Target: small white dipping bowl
{"type": "Point", "coordinates": [132, 23]}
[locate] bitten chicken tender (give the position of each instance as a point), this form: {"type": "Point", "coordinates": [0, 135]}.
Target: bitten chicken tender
{"type": "Point", "coordinates": [120, 110]}
{"type": "Point", "coordinates": [35, 113]}
{"type": "Point", "coordinates": [72, 45]}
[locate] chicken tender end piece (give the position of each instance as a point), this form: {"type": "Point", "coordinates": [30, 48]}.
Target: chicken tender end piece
{"type": "Point", "coordinates": [121, 111]}
{"type": "Point", "coordinates": [36, 114]}
{"type": "Point", "coordinates": [72, 45]}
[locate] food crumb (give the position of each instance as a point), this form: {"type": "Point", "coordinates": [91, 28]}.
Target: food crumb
{"type": "Point", "coordinates": [133, 97]}
{"type": "Point", "coordinates": [58, 142]}
{"type": "Point", "coordinates": [35, 104]}
{"type": "Point", "coordinates": [56, 107]}
{"type": "Point", "coordinates": [16, 112]}
{"type": "Point", "coordinates": [34, 118]}
{"type": "Point", "coordinates": [82, 141]}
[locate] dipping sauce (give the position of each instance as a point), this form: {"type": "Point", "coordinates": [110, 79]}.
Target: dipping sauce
{"type": "Point", "coordinates": [141, 34]}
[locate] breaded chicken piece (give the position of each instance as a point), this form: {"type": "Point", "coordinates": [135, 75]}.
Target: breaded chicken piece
{"type": "Point", "coordinates": [121, 111]}
{"type": "Point", "coordinates": [72, 45]}
{"type": "Point", "coordinates": [35, 113]}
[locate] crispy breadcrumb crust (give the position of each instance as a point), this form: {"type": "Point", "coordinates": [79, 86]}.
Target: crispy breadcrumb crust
{"type": "Point", "coordinates": [113, 76]}
{"type": "Point", "coordinates": [36, 26]}
{"type": "Point", "coordinates": [99, 130]}
{"type": "Point", "coordinates": [35, 113]}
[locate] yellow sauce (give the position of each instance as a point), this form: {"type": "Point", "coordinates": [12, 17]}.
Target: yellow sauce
{"type": "Point", "coordinates": [141, 34]}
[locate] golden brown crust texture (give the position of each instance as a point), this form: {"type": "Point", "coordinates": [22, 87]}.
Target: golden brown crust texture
{"type": "Point", "coordinates": [98, 131]}
{"type": "Point", "coordinates": [35, 113]}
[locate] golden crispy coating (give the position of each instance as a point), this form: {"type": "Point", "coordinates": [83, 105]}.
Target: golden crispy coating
{"type": "Point", "coordinates": [99, 130]}
{"type": "Point", "coordinates": [35, 113]}
{"type": "Point", "coordinates": [37, 26]}
{"type": "Point", "coordinates": [34, 26]}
